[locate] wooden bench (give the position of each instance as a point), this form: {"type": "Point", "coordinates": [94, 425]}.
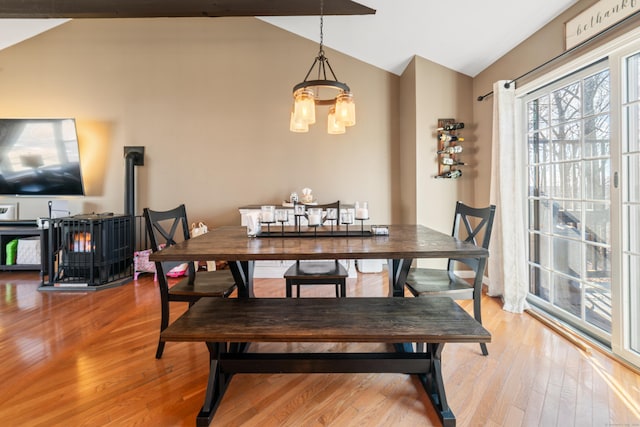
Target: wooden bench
{"type": "Point", "coordinates": [219, 321]}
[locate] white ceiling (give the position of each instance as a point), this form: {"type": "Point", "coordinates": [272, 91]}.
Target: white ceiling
{"type": "Point", "coordinates": [463, 35]}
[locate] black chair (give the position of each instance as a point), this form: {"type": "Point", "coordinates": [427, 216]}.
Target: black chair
{"type": "Point", "coordinates": [467, 225]}
{"type": "Point", "coordinates": [318, 272]}
{"type": "Point", "coordinates": [166, 228]}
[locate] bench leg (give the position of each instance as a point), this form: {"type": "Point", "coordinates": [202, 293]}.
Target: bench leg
{"type": "Point", "coordinates": [434, 386]}
{"type": "Point", "coordinates": [216, 385]}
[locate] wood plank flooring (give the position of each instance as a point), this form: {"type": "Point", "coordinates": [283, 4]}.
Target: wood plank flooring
{"type": "Point", "coordinates": [79, 359]}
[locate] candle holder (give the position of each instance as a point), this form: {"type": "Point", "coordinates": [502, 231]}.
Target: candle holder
{"type": "Point", "coordinates": [282, 216]}
{"type": "Point", "coordinates": [332, 216]}
{"type": "Point", "coordinates": [299, 210]}
{"type": "Point", "coordinates": [346, 218]}
{"type": "Point", "coordinates": [362, 214]}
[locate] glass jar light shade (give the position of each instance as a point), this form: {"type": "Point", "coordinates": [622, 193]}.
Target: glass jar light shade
{"type": "Point", "coordinates": [298, 126]}
{"type": "Point", "coordinates": [346, 109]}
{"type": "Point", "coordinates": [334, 127]}
{"type": "Point", "coordinates": [304, 107]}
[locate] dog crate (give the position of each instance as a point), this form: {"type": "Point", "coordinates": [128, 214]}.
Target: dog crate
{"type": "Point", "coordinates": [92, 250]}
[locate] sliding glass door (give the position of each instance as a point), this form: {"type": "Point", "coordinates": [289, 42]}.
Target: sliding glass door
{"type": "Point", "coordinates": [583, 137]}
{"type": "Point", "coordinates": [627, 337]}
{"type": "Point", "coordinates": [568, 133]}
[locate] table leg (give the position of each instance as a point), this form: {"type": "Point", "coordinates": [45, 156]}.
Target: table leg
{"type": "Point", "coordinates": [398, 271]}
{"type": "Point", "coordinates": [242, 272]}
{"type": "Point", "coordinates": [434, 385]}
{"type": "Point", "coordinates": [216, 385]}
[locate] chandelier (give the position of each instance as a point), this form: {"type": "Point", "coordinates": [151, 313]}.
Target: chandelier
{"type": "Point", "coordinates": [322, 91]}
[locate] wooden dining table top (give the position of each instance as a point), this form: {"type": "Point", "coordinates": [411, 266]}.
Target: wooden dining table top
{"type": "Point", "coordinates": [231, 243]}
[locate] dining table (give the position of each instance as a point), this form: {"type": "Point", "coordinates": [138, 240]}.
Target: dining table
{"type": "Point", "coordinates": [400, 246]}
{"type": "Point", "coordinates": [229, 325]}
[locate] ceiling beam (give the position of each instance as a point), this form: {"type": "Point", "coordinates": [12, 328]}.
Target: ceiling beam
{"type": "Point", "coordinates": [31, 9]}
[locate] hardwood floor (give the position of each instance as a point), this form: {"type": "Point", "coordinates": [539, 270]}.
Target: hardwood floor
{"type": "Point", "coordinates": [88, 359]}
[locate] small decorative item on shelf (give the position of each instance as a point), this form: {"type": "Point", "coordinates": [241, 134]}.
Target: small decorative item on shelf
{"type": "Point", "coordinates": [449, 148]}
{"type": "Point", "coordinates": [307, 197]}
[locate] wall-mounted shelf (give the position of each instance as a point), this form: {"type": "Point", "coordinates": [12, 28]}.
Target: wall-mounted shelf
{"type": "Point", "coordinates": [449, 148]}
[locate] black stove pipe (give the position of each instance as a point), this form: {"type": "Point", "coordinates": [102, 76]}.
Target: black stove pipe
{"type": "Point", "coordinates": [134, 156]}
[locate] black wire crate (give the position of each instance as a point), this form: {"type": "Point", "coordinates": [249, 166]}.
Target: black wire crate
{"type": "Point", "coordinates": [92, 250]}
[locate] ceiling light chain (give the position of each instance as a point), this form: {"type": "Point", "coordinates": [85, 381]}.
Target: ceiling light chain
{"type": "Point", "coordinates": [306, 95]}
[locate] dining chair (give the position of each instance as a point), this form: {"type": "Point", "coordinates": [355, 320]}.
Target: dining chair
{"type": "Point", "coordinates": [468, 224]}
{"type": "Point", "coordinates": [318, 272]}
{"type": "Point", "coordinates": [166, 228]}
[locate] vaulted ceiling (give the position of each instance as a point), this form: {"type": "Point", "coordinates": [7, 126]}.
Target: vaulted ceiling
{"type": "Point", "coordinates": [464, 35]}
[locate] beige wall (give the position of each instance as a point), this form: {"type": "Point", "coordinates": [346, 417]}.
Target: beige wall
{"type": "Point", "coordinates": [430, 92]}
{"type": "Point", "coordinates": [210, 101]}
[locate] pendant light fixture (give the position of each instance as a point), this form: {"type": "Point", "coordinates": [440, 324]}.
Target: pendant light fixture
{"type": "Point", "coordinates": [307, 94]}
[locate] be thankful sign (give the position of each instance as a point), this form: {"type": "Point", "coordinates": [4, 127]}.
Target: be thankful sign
{"type": "Point", "coordinates": [596, 19]}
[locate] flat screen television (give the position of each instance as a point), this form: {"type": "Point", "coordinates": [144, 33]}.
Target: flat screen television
{"type": "Point", "coordinates": [39, 157]}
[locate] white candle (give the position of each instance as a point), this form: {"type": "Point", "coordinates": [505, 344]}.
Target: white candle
{"type": "Point", "coordinates": [267, 216]}
{"type": "Point", "coordinates": [314, 219]}
{"type": "Point", "coordinates": [362, 213]}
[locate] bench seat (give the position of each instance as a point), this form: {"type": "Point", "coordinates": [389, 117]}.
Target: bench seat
{"type": "Point", "coordinates": [400, 321]}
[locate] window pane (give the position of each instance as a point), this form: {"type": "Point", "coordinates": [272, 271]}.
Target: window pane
{"type": "Point", "coordinates": [633, 80]}
{"type": "Point", "coordinates": [567, 294]}
{"type": "Point", "coordinates": [632, 264]}
{"type": "Point", "coordinates": [632, 194]}
{"type": "Point", "coordinates": [598, 265]}
{"type": "Point", "coordinates": [540, 181]}
{"type": "Point", "coordinates": [632, 238]}
{"type": "Point", "coordinates": [567, 144]}
{"type": "Point", "coordinates": [566, 219]}
{"type": "Point", "coordinates": [539, 147]}
{"type": "Point", "coordinates": [597, 137]}
{"type": "Point", "coordinates": [596, 179]}
{"type": "Point", "coordinates": [540, 215]}
{"type": "Point", "coordinates": [539, 283]}
{"type": "Point", "coordinates": [632, 142]}
{"type": "Point", "coordinates": [597, 222]}
{"type": "Point", "coordinates": [596, 93]}
{"type": "Point", "coordinates": [565, 104]}
{"type": "Point", "coordinates": [566, 178]}
{"type": "Point", "coordinates": [539, 249]}
{"type": "Point", "coordinates": [598, 307]}
{"type": "Point", "coordinates": [567, 256]}
{"type": "Point", "coordinates": [538, 113]}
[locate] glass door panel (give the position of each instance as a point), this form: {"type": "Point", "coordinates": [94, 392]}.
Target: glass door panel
{"type": "Point", "coordinates": [630, 197]}
{"type": "Point", "coordinates": [569, 169]}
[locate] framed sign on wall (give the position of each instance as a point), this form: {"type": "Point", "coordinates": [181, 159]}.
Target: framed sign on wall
{"type": "Point", "coordinates": [596, 19]}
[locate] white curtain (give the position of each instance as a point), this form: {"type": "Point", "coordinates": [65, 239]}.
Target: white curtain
{"type": "Point", "coordinates": [507, 261]}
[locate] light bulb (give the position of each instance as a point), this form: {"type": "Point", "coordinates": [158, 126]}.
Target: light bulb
{"type": "Point", "coordinates": [298, 126]}
{"type": "Point", "coordinates": [304, 107]}
{"type": "Point", "coordinates": [334, 127]}
{"type": "Point", "coordinates": [346, 109]}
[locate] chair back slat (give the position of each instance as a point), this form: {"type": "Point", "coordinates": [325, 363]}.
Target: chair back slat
{"type": "Point", "coordinates": [164, 230]}
{"type": "Point", "coordinates": [476, 222]}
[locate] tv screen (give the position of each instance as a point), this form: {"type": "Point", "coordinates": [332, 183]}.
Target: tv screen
{"type": "Point", "coordinates": [39, 157]}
